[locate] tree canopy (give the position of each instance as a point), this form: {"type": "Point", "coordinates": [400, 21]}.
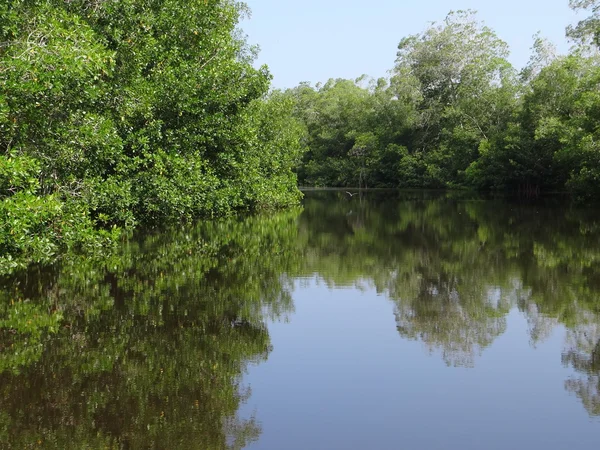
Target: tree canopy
{"type": "Point", "coordinates": [129, 112]}
{"type": "Point", "coordinates": [455, 113]}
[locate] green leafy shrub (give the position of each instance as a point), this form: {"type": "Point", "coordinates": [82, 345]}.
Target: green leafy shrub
{"type": "Point", "coordinates": [114, 114]}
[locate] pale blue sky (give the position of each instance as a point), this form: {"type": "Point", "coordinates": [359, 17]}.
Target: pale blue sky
{"type": "Point", "coordinates": [314, 40]}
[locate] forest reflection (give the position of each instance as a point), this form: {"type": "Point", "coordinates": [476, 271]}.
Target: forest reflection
{"type": "Point", "coordinates": [148, 347]}
{"type": "Point", "coordinates": [456, 264]}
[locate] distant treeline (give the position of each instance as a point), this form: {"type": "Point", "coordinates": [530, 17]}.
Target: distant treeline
{"type": "Point", "coordinates": [455, 113]}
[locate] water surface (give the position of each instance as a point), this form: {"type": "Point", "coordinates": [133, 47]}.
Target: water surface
{"type": "Point", "coordinates": [386, 320]}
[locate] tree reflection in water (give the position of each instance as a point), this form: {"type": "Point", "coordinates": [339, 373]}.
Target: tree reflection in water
{"type": "Point", "coordinates": [148, 347]}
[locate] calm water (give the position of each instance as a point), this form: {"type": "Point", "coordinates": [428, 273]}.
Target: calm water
{"type": "Point", "coordinates": [383, 321]}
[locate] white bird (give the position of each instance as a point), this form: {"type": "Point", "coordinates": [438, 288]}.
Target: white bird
{"type": "Point", "coordinates": [351, 194]}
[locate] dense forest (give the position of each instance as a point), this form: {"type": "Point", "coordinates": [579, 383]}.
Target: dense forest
{"type": "Point", "coordinates": [455, 113]}
{"type": "Point", "coordinates": [118, 114]}
{"type": "Point", "coordinates": [114, 114]}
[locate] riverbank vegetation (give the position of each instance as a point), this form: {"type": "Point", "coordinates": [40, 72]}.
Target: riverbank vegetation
{"type": "Point", "coordinates": [118, 114]}
{"type": "Point", "coordinates": [114, 114]}
{"type": "Point", "coordinates": [455, 113]}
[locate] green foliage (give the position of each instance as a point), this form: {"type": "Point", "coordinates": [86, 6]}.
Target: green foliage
{"type": "Point", "coordinates": [36, 228]}
{"type": "Point", "coordinates": [451, 89]}
{"type": "Point", "coordinates": [353, 133]}
{"type": "Point", "coordinates": [550, 144]}
{"type": "Point", "coordinates": [456, 114]}
{"type": "Point", "coordinates": [18, 174]}
{"type": "Point", "coordinates": [138, 112]}
{"type": "Point", "coordinates": [587, 31]}
{"type": "Point", "coordinates": [465, 89]}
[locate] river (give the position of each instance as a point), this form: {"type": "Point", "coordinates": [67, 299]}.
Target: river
{"type": "Point", "coordinates": [382, 320]}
